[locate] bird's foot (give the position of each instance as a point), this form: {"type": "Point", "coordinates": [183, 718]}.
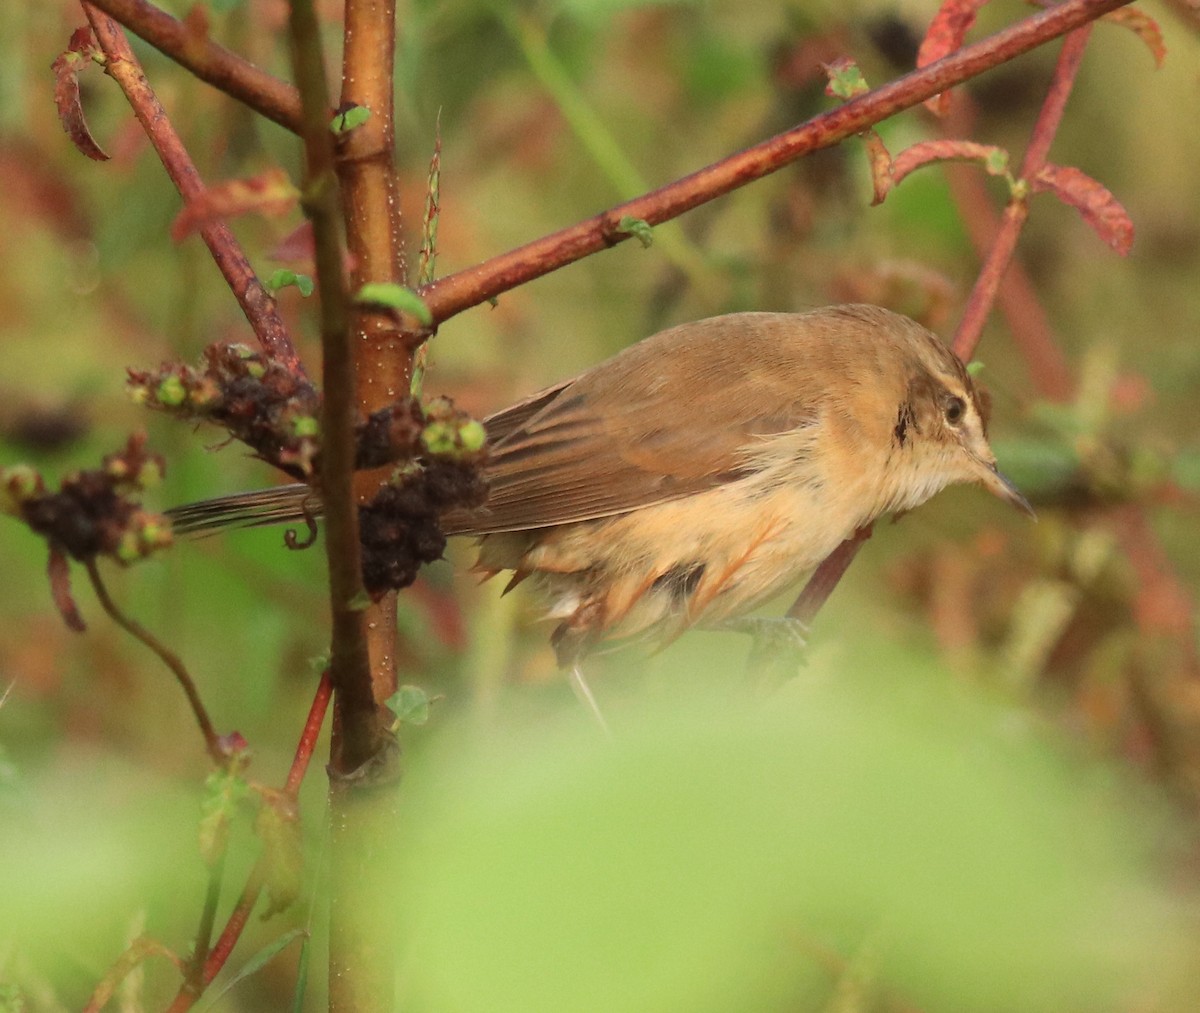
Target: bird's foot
{"type": "Point", "coordinates": [779, 645]}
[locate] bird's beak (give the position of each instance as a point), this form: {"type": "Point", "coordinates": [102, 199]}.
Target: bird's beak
{"type": "Point", "coordinates": [995, 483]}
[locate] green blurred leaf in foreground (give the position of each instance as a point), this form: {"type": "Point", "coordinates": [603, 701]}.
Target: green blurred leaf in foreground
{"type": "Point", "coordinates": [721, 856]}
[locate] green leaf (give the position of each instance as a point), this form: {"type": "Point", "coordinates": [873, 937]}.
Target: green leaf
{"type": "Point", "coordinates": [283, 278]}
{"type": "Point", "coordinates": [347, 119]}
{"type": "Point", "coordinates": [253, 966]}
{"type": "Point", "coordinates": [394, 297]}
{"type": "Point", "coordinates": [639, 228]}
{"type": "Point", "coordinates": [410, 704]}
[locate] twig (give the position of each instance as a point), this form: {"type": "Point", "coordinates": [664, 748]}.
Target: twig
{"type": "Point", "coordinates": [258, 306]}
{"type": "Point", "coordinates": [221, 951]}
{"type": "Point", "coordinates": [1029, 329]}
{"type": "Point", "coordinates": [983, 295]}
{"type": "Point", "coordinates": [360, 730]}
{"type": "Point", "coordinates": [456, 292]}
{"type": "Point", "coordinates": [212, 741]}
{"type": "Point", "coordinates": [275, 99]}
{"type": "Point", "coordinates": [826, 577]}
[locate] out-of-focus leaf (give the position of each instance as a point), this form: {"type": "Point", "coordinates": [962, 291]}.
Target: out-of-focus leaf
{"type": "Point", "coordinates": [944, 36]}
{"type": "Point", "coordinates": [269, 193]}
{"type": "Point", "coordinates": [1144, 27]}
{"type": "Point", "coordinates": [703, 856]}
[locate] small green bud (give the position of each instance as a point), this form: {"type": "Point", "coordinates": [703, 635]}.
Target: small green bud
{"type": "Point", "coordinates": [306, 426]}
{"type": "Point", "coordinates": [472, 435]}
{"type": "Point", "coordinates": [438, 438]}
{"type": "Point", "coordinates": [171, 392]}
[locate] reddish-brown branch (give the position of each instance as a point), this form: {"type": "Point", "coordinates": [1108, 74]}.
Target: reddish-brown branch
{"type": "Point", "coordinates": [456, 292]}
{"type": "Point", "coordinates": [308, 737]}
{"type": "Point", "coordinates": [275, 99]}
{"type": "Point", "coordinates": [826, 577]}
{"type": "Point", "coordinates": [991, 274]}
{"type": "Point", "coordinates": [254, 300]}
{"type": "Point", "coordinates": [371, 207]}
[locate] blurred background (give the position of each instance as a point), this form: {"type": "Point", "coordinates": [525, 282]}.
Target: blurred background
{"type": "Point", "coordinates": [1065, 651]}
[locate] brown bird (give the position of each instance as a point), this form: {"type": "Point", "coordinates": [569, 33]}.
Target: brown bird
{"type": "Point", "coordinates": [703, 470]}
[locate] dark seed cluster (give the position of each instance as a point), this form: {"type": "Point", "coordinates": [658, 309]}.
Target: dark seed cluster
{"type": "Point", "coordinates": [268, 406]}
{"type": "Point", "coordinates": [96, 512]}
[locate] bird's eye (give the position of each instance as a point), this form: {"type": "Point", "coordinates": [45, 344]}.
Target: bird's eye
{"type": "Point", "coordinates": [955, 409]}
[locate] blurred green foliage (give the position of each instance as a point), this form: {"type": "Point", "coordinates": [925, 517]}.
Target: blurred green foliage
{"type": "Point", "coordinates": [901, 827]}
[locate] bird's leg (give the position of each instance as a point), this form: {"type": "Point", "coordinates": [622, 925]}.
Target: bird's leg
{"type": "Point", "coordinates": [778, 648]}
{"type": "Point", "coordinates": [583, 693]}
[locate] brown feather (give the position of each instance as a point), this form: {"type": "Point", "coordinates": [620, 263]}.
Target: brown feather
{"type": "Point", "coordinates": [584, 450]}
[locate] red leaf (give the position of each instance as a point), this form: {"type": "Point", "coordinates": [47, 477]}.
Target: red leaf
{"type": "Point", "coordinates": [945, 35]}
{"type": "Point", "coordinates": [994, 159]}
{"type": "Point", "coordinates": [269, 193]}
{"type": "Point", "coordinates": [58, 569]}
{"type": "Point", "coordinates": [1144, 27]}
{"type": "Point", "coordinates": [1099, 208]}
{"type": "Point", "coordinates": [67, 68]}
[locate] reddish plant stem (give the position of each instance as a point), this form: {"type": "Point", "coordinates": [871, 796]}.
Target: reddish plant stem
{"type": "Point", "coordinates": [308, 737]}
{"type": "Point", "coordinates": [219, 955]}
{"type": "Point", "coordinates": [1030, 331]}
{"type": "Point", "coordinates": [987, 285]}
{"type": "Point", "coordinates": [258, 306]}
{"type": "Point", "coordinates": [275, 99]}
{"type": "Point", "coordinates": [457, 292]}
{"type": "Point", "coordinates": [212, 741]}
{"type": "Point", "coordinates": [825, 578]}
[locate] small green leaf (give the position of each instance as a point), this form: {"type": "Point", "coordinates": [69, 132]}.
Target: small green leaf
{"type": "Point", "coordinates": [410, 704]}
{"type": "Point", "coordinates": [845, 79]}
{"type": "Point", "coordinates": [360, 602]}
{"type": "Point", "coordinates": [639, 228]}
{"type": "Point", "coordinates": [996, 162]}
{"type": "Point", "coordinates": [283, 278]}
{"type": "Point", "coordinates": [223, 790]}
{"type": "Point", "coordinates": [974, 367]}
{"type": "Point", "coordinates": [395, 297]}
{"type": "Point", "coordinates": [349, 118]}
{"type": "Point", "coordinates": [253, 966]}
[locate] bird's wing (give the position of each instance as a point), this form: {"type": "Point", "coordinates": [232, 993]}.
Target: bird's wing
{"type": "Point", "coordinates": [666, 418]}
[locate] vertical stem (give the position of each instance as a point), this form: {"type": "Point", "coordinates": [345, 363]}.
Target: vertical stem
{"type": "Point", "coordinates": [362, 936]}
{"type": "Point", "coordinates": [359, 727]}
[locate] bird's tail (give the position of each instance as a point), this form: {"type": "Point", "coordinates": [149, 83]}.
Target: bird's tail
{"type": "Point", "coordinates": [282, 504]}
